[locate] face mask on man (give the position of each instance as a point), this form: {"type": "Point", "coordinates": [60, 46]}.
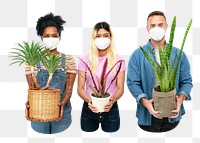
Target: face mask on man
{"type": "Point", "coordinates": [102, 43]}
{"type": "Point", "coordinates": [157, 33]}
{"type": "Point", "coordinates": [51, 43]}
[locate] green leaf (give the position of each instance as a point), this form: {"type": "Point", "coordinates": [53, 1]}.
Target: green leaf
{"type": "Point", "coordinates": [27, 53]}
{"type": "Point", "coordinates": [167, 72]}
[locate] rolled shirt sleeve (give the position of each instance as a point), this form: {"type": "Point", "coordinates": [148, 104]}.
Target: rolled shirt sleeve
{"type": "Point", "coordinates": [133, 78]}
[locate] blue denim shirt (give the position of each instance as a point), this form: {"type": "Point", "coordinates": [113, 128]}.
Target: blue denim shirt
{"type": "Point", "coordinates": [141, 78]}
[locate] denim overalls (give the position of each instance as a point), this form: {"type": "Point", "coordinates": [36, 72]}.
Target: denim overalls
{"type": "Point", "coordinates": [58, 81]}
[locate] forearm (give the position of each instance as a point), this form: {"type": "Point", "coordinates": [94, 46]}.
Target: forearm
{"type": "Point", "coordinates": [66, 96]}
{"type": "Point", "coordinates": [181, 98]}
{"type": "Point", "coordinates": [120, 87]}
{"type": "Point", "coordinates": [83, 95]}
{"type": "Point", "coordinates": [81, 87]}
{"type": "Point", "coordinates": [70, 78]}
{"type": "Point", "coordinates": [144, 102]}
{"type": "Point", "coordinates": [119, 92]}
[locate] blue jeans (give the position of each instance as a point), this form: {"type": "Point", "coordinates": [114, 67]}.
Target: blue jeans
{"type": "Point", "coordinates": [110, 121]}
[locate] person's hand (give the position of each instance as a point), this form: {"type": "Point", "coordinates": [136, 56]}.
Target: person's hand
{"type": "Point", "coordinates": [149, 105]}
{"type": "Point", "coordinates": [61, 110]}
{"type": "Point", "coordinates": [110, 104]}
{"type": "Point", "coordinates": [178, 106]}
{"type": "Point", "coordinates": [92, 107]}
{"type": "Point", "coordinates": [151, 108]}
{"type": "Point", "coordinates": [27, 111]}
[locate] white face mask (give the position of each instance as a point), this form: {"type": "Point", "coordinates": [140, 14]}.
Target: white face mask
{"type": "Point", "coordinates": [157, 33]}
{"type": "Point", "coordinates": [102, 43]}
{"type": "Point", "coordinates": [51, 43]}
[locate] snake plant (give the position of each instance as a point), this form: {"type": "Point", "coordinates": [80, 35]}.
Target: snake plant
{"type": "Point", "coordinates": [166, 72]}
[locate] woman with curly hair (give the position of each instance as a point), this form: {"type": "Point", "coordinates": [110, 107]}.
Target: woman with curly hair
{"type": "Point", "coordinates": [49, 27]}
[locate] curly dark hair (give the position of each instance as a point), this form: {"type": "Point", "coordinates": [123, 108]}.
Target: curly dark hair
{"type": "Point", "coordinates": [49, 20]}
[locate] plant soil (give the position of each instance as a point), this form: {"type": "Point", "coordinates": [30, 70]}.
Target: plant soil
{"type": "Point", "coordinates": [102, 96]}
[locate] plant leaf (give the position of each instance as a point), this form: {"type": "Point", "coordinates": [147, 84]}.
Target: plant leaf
{"type": "Point", "coordinates": [95, 86]}
{"type": "Point", "coordinates": [118, 70]}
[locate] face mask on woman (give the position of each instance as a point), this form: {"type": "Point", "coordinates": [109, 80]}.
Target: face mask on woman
{"type": "Point", "coordinates": [102, 43]}
{"type": "Point", "coordinates": [51, 43]}
{"type": "Point", "coordinates": [157, 33]}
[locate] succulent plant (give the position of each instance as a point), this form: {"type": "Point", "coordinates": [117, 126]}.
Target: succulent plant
{"type": "Point", "coordinates": [166, 72]}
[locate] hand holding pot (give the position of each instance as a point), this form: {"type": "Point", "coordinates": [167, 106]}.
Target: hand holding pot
{"type": "Point", "coordinates": [149, 105]}
{"type": "Point", "coordinates": [92, 107]}
{"type": "Point", "coordinates": [61, 110]}
{"type": "Point", "coordinates": [110, 104]}
{"type": "Point", "coordinates": [179, 102]}
{"type": "Point", "coordinates": [27, 111]}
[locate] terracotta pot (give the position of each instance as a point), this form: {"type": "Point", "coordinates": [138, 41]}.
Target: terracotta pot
{"type": "Point", "coordinates": [164, 102]}
{"type": "Point", "coordinates": [100, 102]}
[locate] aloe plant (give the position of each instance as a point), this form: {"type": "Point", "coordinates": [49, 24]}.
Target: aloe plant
{"type": "Point", "coordinates": [101, 91]}
{"type": "Point", "coordinates": [29, 54]}
{"type": "Point", "coordinates": [51, 63]}
{"type": "Point", "coordinates": [166, 72]}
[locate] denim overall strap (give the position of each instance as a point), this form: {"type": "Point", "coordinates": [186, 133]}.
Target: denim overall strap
{"type": "Point", "coordinates": [38, 65]}
{"type": "Point", "coordinates": [63, 61]}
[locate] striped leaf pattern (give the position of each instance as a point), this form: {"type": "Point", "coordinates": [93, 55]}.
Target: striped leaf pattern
{"type": "Point", "coordinates": [166, 72]}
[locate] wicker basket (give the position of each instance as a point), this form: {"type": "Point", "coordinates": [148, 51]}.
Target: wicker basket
{"type": "Point", "coordinates": [43, 105]}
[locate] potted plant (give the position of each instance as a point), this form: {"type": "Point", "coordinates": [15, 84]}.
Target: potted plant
{"type": "Point", "coordinates": [43, 102]}
{"type": "Point", "coordinates": [164, 94]}
{"type": "Point", "coordinates": [100, 95]}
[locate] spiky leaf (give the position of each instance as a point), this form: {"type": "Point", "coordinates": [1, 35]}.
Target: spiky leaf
{"type": "Point", "coordinates": [166, 73]}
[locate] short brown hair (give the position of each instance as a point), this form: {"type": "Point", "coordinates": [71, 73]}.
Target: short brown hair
{"type": "Point", "coordinates": [156, 13]}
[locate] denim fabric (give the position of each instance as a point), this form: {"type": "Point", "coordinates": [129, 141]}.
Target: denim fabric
{"type": "Point", "coordinates": [58, 81]}
{"type": "Point", "coordinates": [141, 78]}
{"type": "Point", "coordinates": [110, 121]}
{"type": "Point", "coordinates": [54, 127]}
